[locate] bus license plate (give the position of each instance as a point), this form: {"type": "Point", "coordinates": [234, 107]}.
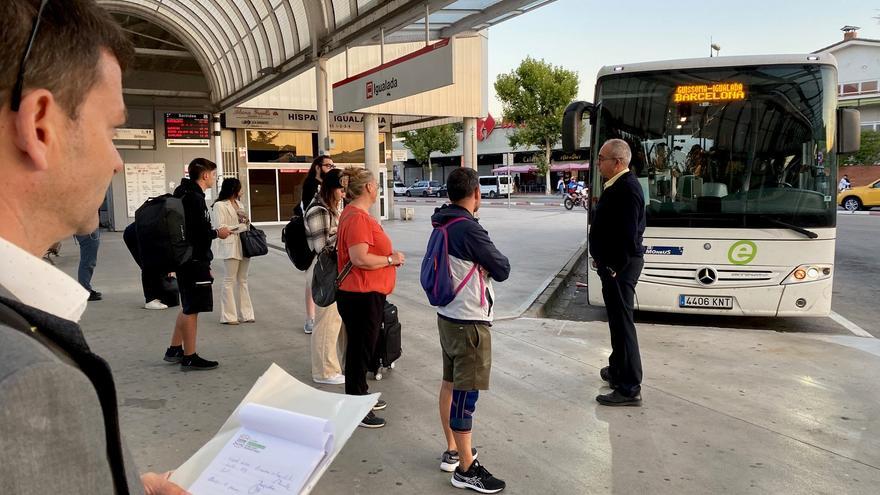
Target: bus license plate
{"type": "Point", "coordinates": [712, 302]}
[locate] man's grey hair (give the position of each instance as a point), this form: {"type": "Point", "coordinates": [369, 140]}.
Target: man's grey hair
{"type": "Point", "coordinates": [619, 149]}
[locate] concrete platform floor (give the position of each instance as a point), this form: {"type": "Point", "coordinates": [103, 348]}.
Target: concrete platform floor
{"type": "Point", "coordinates": [725, 410]}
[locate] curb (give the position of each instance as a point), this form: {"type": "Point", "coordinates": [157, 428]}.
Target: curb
{"type": "Point", "coordinates": [538, 308]}
{"type": "Point", "coordinates": [872, 213]}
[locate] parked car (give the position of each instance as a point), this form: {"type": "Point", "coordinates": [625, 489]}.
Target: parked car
{"type": "Point", "coordinates": [442, 192]}
{"type": "Point", "coordinates": [399, 188]}
{"type": "Point", "coordinates": [424, 188]}
{"type": "Point", "coordinates": [861, 197]}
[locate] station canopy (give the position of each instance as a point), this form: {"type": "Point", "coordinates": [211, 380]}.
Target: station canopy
{"type": "Point", "coordinates": [245, 47]}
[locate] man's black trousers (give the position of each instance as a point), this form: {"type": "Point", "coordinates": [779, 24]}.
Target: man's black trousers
{"type": "Point", "coordinates": [619, 294]}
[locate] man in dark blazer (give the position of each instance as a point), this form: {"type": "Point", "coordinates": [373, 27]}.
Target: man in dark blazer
{"type": "Point", "coordinates": [60, 99]}
{"type": "Point", "coordinates": [616, 229]}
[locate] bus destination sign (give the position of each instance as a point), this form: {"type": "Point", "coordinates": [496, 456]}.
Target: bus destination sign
{"type": "Point", "coordinates": [193, 129]}
{"type": "Point", "coordinates": [699, 93]}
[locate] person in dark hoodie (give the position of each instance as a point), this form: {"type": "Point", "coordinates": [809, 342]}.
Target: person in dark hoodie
{"type": "Point", "coordinates": [194, 279]}
{"type": "Point", "coordinates": [616, 228]}
{"type": "Point", "coordinates": [464, 328]}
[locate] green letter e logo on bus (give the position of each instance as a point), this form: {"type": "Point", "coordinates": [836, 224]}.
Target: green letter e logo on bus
{"type": "Point", "coordinates": [742, 252]}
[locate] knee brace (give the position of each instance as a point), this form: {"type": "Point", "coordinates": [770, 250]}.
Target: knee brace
{"type": "Point", "coordinates": [464, 403]}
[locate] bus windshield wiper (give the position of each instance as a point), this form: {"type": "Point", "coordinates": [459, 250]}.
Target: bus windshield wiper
{"type": "Point", "coordinates": [800, 230]}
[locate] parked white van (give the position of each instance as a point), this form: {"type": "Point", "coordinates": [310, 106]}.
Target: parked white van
{"type": "Point", "coordinates": [496, 186]}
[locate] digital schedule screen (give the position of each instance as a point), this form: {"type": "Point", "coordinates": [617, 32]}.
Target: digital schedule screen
{"type": "Point", "coordinates": [186, 126]}
{"type": "Point", "coordinates": [699, 93]}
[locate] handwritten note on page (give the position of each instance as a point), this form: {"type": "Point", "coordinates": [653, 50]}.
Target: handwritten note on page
{"type": "Point", "coordinates": [273, 452]}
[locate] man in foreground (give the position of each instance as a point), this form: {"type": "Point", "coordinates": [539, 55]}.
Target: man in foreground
{"type": "Point", "coordinates": [60, 102]}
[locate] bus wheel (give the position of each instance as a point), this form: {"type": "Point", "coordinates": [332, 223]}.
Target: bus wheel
{"type": "Point", "coordinates": [569, 204]}
{"type": "Point", "coordinates": [852, 203]}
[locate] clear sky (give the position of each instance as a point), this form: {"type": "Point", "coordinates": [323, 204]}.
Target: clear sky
{"type": "Point", "coordinates": [584, 35]}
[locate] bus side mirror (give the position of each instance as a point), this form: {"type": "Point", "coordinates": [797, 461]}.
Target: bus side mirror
{"type": "Point", "coordinates": [849, 135]}
{"type": "Point", "coordinates": [572, 124]}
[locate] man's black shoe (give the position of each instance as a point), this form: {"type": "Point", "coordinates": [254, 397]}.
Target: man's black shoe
{"type": "Point", "coordinates": [174, 354]}
{"type": "Point", "coordinates": [95, 295]}
{"type": "Point", "coordinates": [616, 398]}
{"type": "Point", "coordinates": [605, 374]}
{"type": "Point", "coordinates": [194, 362]}
{"type": "Point", "coordinates": [372, 421]}
{"type": "Point", "coordinates": [477, 478]}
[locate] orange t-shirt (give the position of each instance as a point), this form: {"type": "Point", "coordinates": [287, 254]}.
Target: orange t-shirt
{"type": "Point", "coordinates": [356, 226]}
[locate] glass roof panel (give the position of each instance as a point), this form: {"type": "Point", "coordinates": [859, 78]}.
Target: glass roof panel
{"type": "Point", "coordinates": [341, 11]}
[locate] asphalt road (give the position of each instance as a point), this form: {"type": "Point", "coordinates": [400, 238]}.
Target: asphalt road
{"type": "Point", "coordinates": [857, 274]}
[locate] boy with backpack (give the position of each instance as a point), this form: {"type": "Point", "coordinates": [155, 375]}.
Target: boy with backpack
{"type": "Point", "coordinates": [457, 274]}
{"type": "Point", "coordinates": [194, 277]}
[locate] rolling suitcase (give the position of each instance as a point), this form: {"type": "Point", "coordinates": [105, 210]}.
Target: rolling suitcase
{"type": "Point", "coordinates": [388, 348]}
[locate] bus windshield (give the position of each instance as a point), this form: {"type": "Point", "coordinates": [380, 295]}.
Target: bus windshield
{"type": "Point", "coordinates": [747, 146]}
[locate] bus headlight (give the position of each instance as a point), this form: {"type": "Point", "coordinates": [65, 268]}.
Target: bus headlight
{"type": "Point", "coordinates": [808, 273]}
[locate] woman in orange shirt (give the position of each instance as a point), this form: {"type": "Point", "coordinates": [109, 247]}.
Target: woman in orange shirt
{"type": "Point", "coordinates": [361, 296]}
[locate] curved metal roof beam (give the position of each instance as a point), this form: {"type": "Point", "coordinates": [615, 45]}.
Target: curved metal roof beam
{"type": "Point", "coordinates": [221, 29]}
{"type": "Point", "coordinates": [244, 33]}
{"type": "Point", "coordinates": [201, 57]}
{"type": "Point", "coordinates": [186, 17]}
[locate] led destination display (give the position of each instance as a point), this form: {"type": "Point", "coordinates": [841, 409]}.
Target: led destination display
{"type": "Point", "coordinates": [697, 93]}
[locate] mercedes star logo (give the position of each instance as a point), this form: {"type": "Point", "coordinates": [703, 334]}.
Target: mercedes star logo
{"type": "Point", "coordinates": [707, 276]}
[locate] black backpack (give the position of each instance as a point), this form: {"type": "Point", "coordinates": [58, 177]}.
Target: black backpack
{"type": "Point", "coordinates": [160, 224]}
{"type": "Point", "coordinates": [296, 244]}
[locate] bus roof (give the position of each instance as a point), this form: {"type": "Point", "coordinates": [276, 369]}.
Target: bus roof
{"type": "Point", "coordinates": [719, 62]}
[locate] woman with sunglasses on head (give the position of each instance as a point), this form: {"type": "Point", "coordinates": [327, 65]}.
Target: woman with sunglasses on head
{"type": "Point", "coordinates": [322, 223]}
{"type": "Point", "coordinates": [361, 295]}
{"type": "Point", "coordinates": [320, 166]}
{"type": "Point", "coordinates": [228, 212]}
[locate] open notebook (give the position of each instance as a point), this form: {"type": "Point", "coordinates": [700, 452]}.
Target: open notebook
{"type": "Point", "coordinates": [283, 434]}
{"type": "Point", "coordinates": [274, 450]}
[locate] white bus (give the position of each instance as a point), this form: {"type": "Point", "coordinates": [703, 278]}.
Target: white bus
{"type": "Point", "coordinates": [737, 157]}
{"type": "Point", "coordinates": [496, 186]}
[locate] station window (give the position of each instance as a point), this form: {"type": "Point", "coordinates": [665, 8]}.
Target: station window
{"type": "Point", "coordinates": [849, 89]}
{"type": "Point", "coordinates": [348, 147]}
{"type": "Point", "coordinates": [268, 146]}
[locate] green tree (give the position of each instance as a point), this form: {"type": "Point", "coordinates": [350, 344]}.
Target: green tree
{"type": "Point", "coordinates": [869, 151]}
{"type": "Point", "coordinates": [423, 142]}
{"type": "Point", "coordinates": [534, 96]}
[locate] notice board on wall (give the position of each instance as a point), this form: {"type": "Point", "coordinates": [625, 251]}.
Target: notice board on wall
{"type": "Point", "coordinates": [143, 181]}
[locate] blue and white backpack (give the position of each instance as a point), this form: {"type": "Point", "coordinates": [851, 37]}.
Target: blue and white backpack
{"type": "Point", "coordinates": [436, 274]}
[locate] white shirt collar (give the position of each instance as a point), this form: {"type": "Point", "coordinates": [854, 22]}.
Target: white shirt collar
{"type": "Point", "coordinates": [36, 283]}
{"type": "Point", "coordinates": [610, 182]}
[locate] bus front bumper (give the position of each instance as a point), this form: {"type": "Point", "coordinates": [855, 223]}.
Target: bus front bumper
{"type": "Point", "coordinates": [802, 299]}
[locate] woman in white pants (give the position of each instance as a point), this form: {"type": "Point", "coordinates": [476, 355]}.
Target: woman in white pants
{"type": "Point", "coordinates": [328, 339]}
{"type": "Point", "coordinates": [228, 212]}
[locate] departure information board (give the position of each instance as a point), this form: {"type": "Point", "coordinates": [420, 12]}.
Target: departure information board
{"type": "Point", "coordinates": [187, 129]}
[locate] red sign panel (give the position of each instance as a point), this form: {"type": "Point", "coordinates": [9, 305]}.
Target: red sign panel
{"type": "Point", "coordinates": [187, 126]}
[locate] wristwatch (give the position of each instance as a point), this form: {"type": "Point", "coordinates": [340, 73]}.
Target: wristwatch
{"type": "Point", "coordinates": [390, 261]}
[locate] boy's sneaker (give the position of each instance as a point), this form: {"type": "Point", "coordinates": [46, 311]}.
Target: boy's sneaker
{"type": "Point", "coordinates": [372, 421]}
{"type": "Point", "coordinates": [195, 362]}
{"type": "Point", "coordinates": [174, 354]}
{"type": "Point", "coordinates": [449, 460]}
{"type": "Point", "coordinates": [477, 478]}
{"type": "Point", "coordinates": [379, 405]}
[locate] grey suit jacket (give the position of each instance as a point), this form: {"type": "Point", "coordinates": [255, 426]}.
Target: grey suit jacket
{"type": "Point", "coordinates": [52, 431]}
